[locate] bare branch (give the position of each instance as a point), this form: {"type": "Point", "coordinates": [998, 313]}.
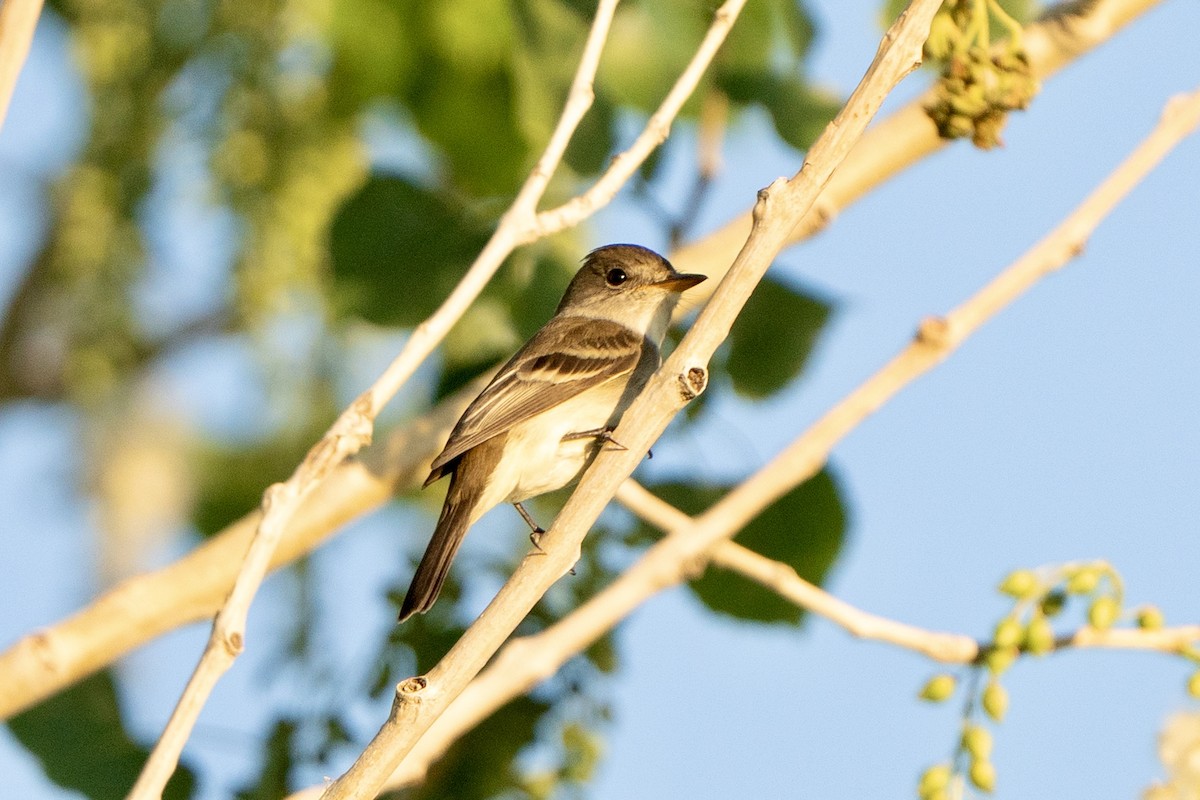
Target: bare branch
{"type": "Point", "coordinates": [18, 19]}
{"type": "Point", "coordinates": [655, 133]}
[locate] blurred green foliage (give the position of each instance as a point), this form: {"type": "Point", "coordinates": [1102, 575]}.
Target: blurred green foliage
{"type": "Point", "coordinates": [287, 101]}
{"type": "Point", "coordinates": [79, 739]}
{"type": "Point", "coordinates": [804, 529]}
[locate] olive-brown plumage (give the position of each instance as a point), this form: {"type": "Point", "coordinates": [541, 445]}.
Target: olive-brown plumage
{"type": "Point", "coordinates": [538, 422]}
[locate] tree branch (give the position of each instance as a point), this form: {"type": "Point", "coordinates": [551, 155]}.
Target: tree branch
{"type": "Point", "coordinates": [18, 19]}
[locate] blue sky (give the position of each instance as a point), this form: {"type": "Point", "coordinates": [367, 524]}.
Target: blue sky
{"type": "Point", "coordinates": [1066, 429]}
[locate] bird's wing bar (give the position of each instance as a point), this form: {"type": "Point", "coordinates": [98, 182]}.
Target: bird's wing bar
{"type": "Point", "coordinates": [562, 360]}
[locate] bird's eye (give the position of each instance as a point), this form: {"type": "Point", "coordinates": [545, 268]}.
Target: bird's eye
{"type": "Point", "coordinates": [615, 277]}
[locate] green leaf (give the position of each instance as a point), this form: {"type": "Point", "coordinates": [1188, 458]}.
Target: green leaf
{"type": "Point", "coordinates": [231, 480]}
{"type": "Point", "coordinates": [594, 141]}
{"type": "Point", "coordinates": [797, 24]}
{"type": "Point", "coordinates": [80, 740]}
{"type": "Point", "coordinates": [804, 529]}
{"type": "Point", "coordinates": [1022, 11]}
{"type": "Point", "coordinates": [549, 40]}
{"type": "Point", "coordinates": [397, 250]}
{"type": "Point", "coordinates": [473, 120]}
{"type": "Point", "coordinates": [483, 763]}
{"type": "Point", "coordinates": [748, 48]}
{"type": "Point", "coordinates": [649, 45]}
{"type": "Point", "coordinates": [799, 111]}
{"type": "Point", "coordinates": [276, 764]}
{"type": "Point", "coordinates": [773, 337]}
{"type": "Point", "coordinates": [368, 59]}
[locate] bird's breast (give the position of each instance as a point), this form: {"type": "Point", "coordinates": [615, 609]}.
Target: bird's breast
{"type": "Point", "coordinates": [536, 459]}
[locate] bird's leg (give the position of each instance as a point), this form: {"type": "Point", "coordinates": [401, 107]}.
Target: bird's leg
{"type": "Point", "coordinates": [535, 530]}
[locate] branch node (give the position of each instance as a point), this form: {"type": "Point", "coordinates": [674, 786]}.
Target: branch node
{"type": "Point", "coordinates": [410, 690]}
{"type": "Point", "coordinates": [41, 643]}
{"type": "Point", "coordinates": [361, 415]}
{"type": "Point", "coordinates": [823, 212]}
{"type": "Point", "coordinates": [273, 496]}
{"type": "Point", "coordinates": [694, 566]}
{"type": "Point", "coordinates": [764, 199]}
{"type": "Point", "coordinates": [934, 332]}
{"type": "Point", "coordinates": [692, 383]}
{"type": "Point", "coordinates": [234, 643]}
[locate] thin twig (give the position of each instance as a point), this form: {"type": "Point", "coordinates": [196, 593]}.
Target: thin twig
{"type": "Point", "coordinates": [18, 19]}
{"type": "Point", "coordinates": [692, 541]}
{"type": "Point", "coordinates": [655, 133]}
{"type": "Point", "coordinates": [950, 648]}
{"type": "Point", "coordinates": [710, 134]}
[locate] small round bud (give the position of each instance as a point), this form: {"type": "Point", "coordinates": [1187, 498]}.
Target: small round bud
{"type": "Point", "coordinates": [999, 659]}
{"type": "Point", "coordinates": [1039, 636]}
{"type": "Point", "coordinates": [983, 775]}
{"type": "Point", "coordinates": [957, 126]}
{"type": "Point", "coordinates": [1053, 603]}
{"type": "Point", "coordinates": [1104, 612]}
{"type": "Point", "coordinates": [1193, 685]}
{"type": "Point", "coordinates": [1007, 634]}
{"type": "Point", "coordinates": [995, 701]}
{"type": "Point", "coordinates": [938, 688]}
{"type": "Point", "coordinates": [977, 741]}
{"type": "Point", "coordinates": [944, 36]}
{"type": "Point", "coordinates": [1083, 581]}
{"type": "Point", "coordinates": [1150, 618]}
{"type": "Point", "coordinates": [1019, 584]}
{"type": "Point", "coordinates": [934, 781]}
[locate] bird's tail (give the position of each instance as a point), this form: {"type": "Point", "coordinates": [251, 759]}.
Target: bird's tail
{"type": "Point", "coordinates": [466, 487]}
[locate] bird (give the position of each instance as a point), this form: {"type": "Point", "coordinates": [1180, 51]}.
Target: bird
{"type": "Point", "coordinates": [546, 413]}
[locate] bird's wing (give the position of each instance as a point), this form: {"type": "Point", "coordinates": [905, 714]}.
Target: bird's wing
{"type": "Point", "coordinates": [566, 357]}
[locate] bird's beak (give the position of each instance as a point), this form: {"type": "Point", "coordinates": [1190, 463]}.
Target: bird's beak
{"type": "Point", "coordinates": [681, 281]}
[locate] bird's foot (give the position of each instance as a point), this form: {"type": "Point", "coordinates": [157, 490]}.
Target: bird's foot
{"type": "Point", "coordinates": [602, 435]}
{"type": "Point", "coordinates": [535, 539]}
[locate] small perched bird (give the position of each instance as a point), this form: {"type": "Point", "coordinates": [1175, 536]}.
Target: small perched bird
{"type": "Point", "coordinates": [550, 408]}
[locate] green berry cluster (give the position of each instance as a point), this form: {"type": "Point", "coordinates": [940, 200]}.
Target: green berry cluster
{"type": "Point", "coordinates": [980, 83]}
{"type": "Point", "coordinates": [1039, 596]}
{"type": "Point", "coordinates": [972, 758]}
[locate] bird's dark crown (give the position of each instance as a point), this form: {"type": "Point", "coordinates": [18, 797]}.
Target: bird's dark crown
{"type": "Point", "coordinates": [639, 266]}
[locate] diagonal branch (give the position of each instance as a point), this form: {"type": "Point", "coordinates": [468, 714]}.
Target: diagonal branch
{"type": "Point", "coordinates": [18, 19]}
{"type": "Point", "coordinates": [691, 542]}
{"type": "Point", "coordinates": [949, 648]}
